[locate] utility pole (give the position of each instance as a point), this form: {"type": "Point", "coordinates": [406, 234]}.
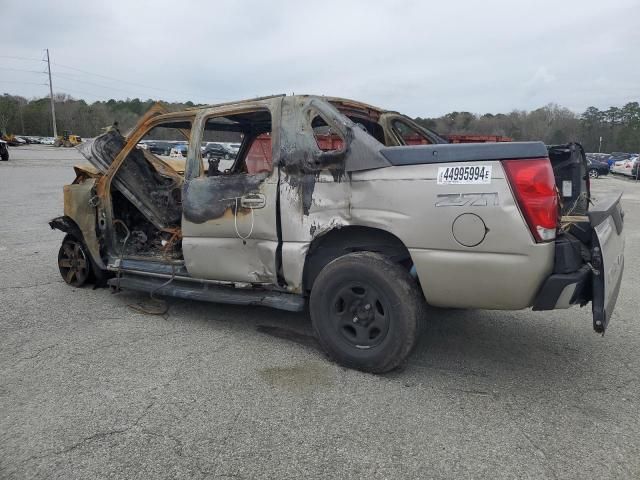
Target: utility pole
{"type": "Point", "coordinates": [53, 107]}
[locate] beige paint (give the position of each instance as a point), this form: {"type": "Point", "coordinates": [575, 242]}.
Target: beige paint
{"type": "Point", "coordinates": [504, 271]}
{"type": "Point", "coordinates": [76, 207]}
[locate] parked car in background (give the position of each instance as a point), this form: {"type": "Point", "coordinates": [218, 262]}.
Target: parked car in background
{"type": "Point", "coordinates": [13, 141]}
{"type": "Point", "coordinates": [635, 170]}
{"type": "Point", "coordinates": [234, 148]}
{"type": "Point", "coordinates": [596, 166]}
{"type": "Point", "coordinates": [602, 157]}
{"type": "Point", "coordinates": [215, 150]}
{"type": "Point", "coordinates": [618, 156]}
{"type": "Point", "coordinates": [4, 151]}
{"type": "Point", "coordinates": [159, 148]}
{"type": "Point", "coordinates": [179, 150]}
{"type": "Point", "coordinates": [621, 155]}
{"type": "Point", "coordinates": [624, 167]}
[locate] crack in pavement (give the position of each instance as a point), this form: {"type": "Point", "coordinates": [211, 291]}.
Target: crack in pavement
{"type": "Point", "coordinates": [178, 449]}
{"type": "Point", "coordinates": [537, 448]}
{"type": "Point", "coordinates": [90, 438]}
{"type": "Point", "coordinates": [38, 352]}
{"type": "Point", "coordinates": [225, 440]}
{"type": "Point", "coordinates": [107, 433]}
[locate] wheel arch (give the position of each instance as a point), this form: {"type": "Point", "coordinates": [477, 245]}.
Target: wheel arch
{"type": "Point", "coordinates": [347, 239]}
{"type": "Point", "coordinates": [67, 224]}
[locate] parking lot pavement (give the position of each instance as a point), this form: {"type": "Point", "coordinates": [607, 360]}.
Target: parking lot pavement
{"type": "Point", "coordinates": [90, 388]}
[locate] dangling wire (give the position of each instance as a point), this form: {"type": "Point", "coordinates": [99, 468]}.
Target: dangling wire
{"type": "Point", "coordinates": [235, 222]}
{"type": "Point", "coordinates": [124, 246]}
{"type": "Point", "coordinates": [159, 306]}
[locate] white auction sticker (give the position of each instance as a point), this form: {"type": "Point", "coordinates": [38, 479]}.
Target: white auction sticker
{"type": "Point", "coordinates": [465, 174]}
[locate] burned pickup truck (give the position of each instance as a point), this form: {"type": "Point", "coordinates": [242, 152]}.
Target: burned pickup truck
{"type": "Point", "coordinates": [355, 211]}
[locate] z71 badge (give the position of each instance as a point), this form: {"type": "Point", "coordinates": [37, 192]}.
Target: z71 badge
{"type": "Point", "coordinates": [469, 174]}
{"type": "Point", "coordinates": [485, 199]}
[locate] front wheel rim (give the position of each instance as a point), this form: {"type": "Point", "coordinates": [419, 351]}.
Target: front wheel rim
{"type": "Point", "coordinates": [361, 315]}
{"type": "Point", "coordinates": [593, 173]}
{"type": "Point", "coordinates": [73, 263]}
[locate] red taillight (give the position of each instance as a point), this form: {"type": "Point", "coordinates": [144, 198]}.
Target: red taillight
{"type": "Point", "coordinates": [534, 187]}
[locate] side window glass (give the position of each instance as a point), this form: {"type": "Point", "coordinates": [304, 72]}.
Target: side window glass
{"type": "Point", "coordinates": [408, 135]}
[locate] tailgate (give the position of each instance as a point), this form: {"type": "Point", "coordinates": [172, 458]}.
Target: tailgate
{"type": "Point", "coordinates": [589, 260]}
{"type": "Point", "coordinates": [607, 257]}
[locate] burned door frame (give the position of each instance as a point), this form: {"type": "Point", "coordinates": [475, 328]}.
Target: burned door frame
{"type": "Point", "coordinates": [315, 191]}
{"type": "Point", "coordinates": [224, 238]}
{"type": "Point", "coordinates": [104, 204]}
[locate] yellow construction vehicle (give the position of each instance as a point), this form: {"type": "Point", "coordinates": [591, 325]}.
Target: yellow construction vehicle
{"type": "Point", "coordinates": [67, 139]}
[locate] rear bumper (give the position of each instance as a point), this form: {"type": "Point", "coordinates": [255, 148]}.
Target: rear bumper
{"type": "Point", "coordinates": [561, 290]}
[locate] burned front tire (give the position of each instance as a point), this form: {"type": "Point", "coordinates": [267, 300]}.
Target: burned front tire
{"type": "Point", "coordinates": [74, 261]}
{"type": "Point", "coordinates": [365, 311]}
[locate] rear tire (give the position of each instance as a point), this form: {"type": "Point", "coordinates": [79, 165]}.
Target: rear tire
{"type": "Point", "coordinates": [593, 173]}
{"type": "Point", "coordinates": [4, 157]}
{"type": "Point", "coordinates": [365, 311]}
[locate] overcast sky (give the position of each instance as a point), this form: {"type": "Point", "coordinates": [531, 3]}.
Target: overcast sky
{"type": "Point", "coordinates": [422, 58]}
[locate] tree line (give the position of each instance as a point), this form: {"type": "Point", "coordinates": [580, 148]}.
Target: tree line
{"type": "Point", "coordinates": [611, 130]}
{"type": "Point", "coordinates": [21, 116]}
{"type": "Point", "coordinates": [618, 127]}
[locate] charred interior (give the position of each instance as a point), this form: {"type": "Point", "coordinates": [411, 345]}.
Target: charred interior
{"type": "Point", "coordinates": [147, 212]}
{"type": "Point", "coordinates": [137, 236]}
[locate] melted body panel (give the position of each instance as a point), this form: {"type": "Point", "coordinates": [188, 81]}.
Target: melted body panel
{"type": "Point", "coordinates": [148, 183]}
{"type": "Point", "coordinates": [78, 207]}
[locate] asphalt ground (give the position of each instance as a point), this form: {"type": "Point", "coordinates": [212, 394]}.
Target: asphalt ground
{"type": "Point", "coordinates": [90, 388]}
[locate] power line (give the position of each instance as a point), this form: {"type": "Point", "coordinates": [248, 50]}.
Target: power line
{"type": "Point", "coordinates": [15, 57]}
{"type": "Point", "coordinates": [73, 90]}
{"type": "Point", "coordinates": [21, 70]}
{"type": "Point", "coordinates": [120, 80]}
{"type": "Point", "coordinates": [22, 58]}
{"type": "Point", "coordinates": [59, 75]}
{"type": "Point", "coordinates": [26, 83]}
{"type": "Point", "coordinates": [69, 76]}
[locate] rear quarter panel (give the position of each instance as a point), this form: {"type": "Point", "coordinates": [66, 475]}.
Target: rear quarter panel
{"type": "Point", "coordinates": [504, 271]}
